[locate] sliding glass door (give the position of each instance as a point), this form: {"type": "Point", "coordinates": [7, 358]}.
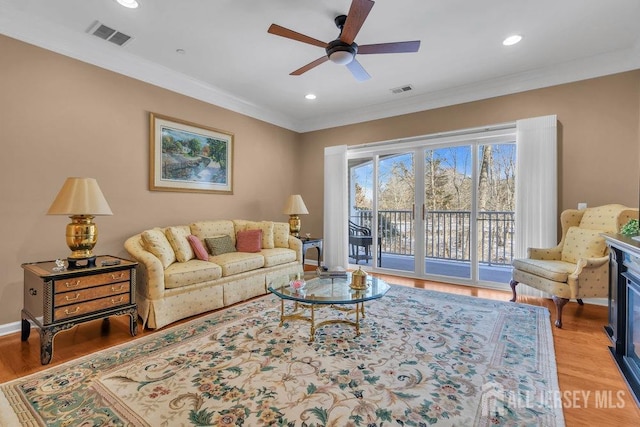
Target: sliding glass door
{"type": "Point", "coordinates": [447, 211]}
{"type": "Point", "coordinates": [396, 211]}
{"type": "Point", "coordinates": [442, 211]}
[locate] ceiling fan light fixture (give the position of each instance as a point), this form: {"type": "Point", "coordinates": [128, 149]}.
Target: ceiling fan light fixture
{"type": "Point", "coordinates": [341, 57]}
{"type": "Point", "coordinates": [340, 52]}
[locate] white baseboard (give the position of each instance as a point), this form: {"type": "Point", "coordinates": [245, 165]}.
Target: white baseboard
{"type": "Point", "coordinates": [10, 328]}
{"type": "Point", "coordinates": [597, 301]}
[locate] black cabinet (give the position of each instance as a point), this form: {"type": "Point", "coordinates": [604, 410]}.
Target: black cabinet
{"type": "Point", "coordinates": [623, 325]}
{"type": "Point", "coordinates": [616, 326]}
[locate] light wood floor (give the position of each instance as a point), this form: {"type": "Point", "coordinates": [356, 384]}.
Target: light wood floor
{"type": "Point", "coordinates": [592, 391]}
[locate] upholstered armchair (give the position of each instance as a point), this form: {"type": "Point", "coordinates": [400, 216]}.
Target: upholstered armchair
{"type": "Point", "coordinates": [578, 267]}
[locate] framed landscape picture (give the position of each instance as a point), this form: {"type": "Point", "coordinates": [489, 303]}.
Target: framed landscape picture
{"type": "Point", "coordinates": [188, 157]}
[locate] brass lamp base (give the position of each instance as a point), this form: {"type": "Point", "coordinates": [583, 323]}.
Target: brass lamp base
{"type": "Point", "coordinates": [294, 225]}
{"type": "Point", "coordinates": [82, 235]}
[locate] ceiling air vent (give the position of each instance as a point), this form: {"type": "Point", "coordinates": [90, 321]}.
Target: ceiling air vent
{"type": "Point", "coordinates": [401, 89]}
{"type": "Point", "coordinates": [107, 33]}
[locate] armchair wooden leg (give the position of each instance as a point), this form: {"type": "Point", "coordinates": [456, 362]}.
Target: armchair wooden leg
{"type": "Point", "coordinates": [513, 285]}
{"type": "Point", "coordinates": [580, 301]}
{"type": "Point", "coordinates": [560, 303]}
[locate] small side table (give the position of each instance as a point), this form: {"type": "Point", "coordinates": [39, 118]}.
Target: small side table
{"type": "Point", "coordinates": [311, 242]}
{"type": "Point", "coordinates": [55, 301]}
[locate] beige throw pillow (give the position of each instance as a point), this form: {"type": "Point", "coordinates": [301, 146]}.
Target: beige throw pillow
{"type": "Point", "coordinates": [156, 242]}
{"type": "Point", "coordinates": [177, 237]}
{"type": "Point", "coordinates": [582, 243]}
{"type": "Point", "coordinates": [281, 234]}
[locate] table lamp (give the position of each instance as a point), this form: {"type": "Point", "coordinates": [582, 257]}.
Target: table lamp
{"type": "Point", "coordinates": [81, 199]}
{"type": "Point", "coordinates": [294, 207]}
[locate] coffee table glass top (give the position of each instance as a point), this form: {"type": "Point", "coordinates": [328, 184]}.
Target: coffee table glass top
{"type": "Point", "coordinates": [329, 290]}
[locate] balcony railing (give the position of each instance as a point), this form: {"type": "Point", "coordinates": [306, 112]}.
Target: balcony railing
{"type": "Point", "coordinates": [447, 235]}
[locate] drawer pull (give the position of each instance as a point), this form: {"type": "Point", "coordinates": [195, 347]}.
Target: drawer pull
{"type": "Point", "coordinates": [72, 284]}
{"type": "Point", "coordinates": [67, 312]}
{"type": "Point", "coordinates": [118, 289]}
{"type": "Point", "coordinates": [118, 276]}
{"type": "Point", "coordinates": [68, 298]}
{"type": "Point", "coordinates": [117, 301]}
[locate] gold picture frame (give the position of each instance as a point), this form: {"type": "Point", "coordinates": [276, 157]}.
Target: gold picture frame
{"type": "Point", "coordinates": [188, 157]}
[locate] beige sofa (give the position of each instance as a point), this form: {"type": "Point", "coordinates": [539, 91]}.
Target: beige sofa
{"type": "Point", "coordinates": [173, 283]}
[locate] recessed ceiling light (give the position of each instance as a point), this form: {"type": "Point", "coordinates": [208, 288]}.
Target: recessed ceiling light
{"type": "Point", "coordinates": [131, 4]}
{"type": "Point", "coordinates": [511, 40]}
{"type": "Point", "coordinates": [310, 96]}
{"type": "Point", "coordinates": [181, 51]}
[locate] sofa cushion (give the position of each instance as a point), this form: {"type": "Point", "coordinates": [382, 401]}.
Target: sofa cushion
{"type": "Point", "coordinates": [249, 241]}
{"type": "Point", "coordinates": [278, 256]}
{"type": "Point", "coordinates": [238, 262]}
{"type": "Point", "coordinates": [558, 271]}
{"type": "Point", "coordinates": [280, 235]}
{"type": "Point", "coordinates": [156, 242]}
{"type": "Point", "coordinates": [198, 248]}
{"type": "Point", "coordinates": [220, 245]}
{"type": "Point", "coordinates": [204, 229]}
{"type": "Point", "coordinates": [582, 243]}
{"type": "Point", "coordinates": [181, 274]}
{"type": "Point", "coordinates": [177, 236]}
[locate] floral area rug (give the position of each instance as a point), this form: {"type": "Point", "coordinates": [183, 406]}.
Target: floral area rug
{"type": "Point", "coordinates": [423, 358]}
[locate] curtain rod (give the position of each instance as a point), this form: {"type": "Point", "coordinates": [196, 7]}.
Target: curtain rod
{"type": "Point", "coordinates": [461, 132]}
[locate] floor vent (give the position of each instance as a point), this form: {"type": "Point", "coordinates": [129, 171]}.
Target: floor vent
{"type": "Point", "coordinates": [401, 89]}
{"type": "Point", "coordinates": [98, 29]}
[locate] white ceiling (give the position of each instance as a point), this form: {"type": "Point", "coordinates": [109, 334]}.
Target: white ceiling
{"type": "Point", "coordinates": [230, 60]}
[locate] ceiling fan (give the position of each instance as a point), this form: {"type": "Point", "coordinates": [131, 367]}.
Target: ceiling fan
{"type": "Point", "coordinates": [343, 50]}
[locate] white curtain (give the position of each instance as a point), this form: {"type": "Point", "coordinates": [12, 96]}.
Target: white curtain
{"type": "Point", "coordinates": [336, 228]}
{"type": "Point", "coordinates": [536, 188]}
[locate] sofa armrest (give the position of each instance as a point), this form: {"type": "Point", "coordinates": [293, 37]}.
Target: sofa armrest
{"type": "Point", "coordinates": [296, 245]}
{"type": "Point", "coordinates": [151, 283]}
{"type": "Point", "coordinates": [585, 264]}
{"type": "Point", "coordinates": [548, 254]}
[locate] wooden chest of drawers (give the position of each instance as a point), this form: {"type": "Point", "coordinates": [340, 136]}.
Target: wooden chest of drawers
{"type": "Point", "coordinates": [58, 300]}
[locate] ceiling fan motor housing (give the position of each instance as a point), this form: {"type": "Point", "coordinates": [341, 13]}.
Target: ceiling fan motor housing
{"type": "Point", "coordinates": [341, 52]}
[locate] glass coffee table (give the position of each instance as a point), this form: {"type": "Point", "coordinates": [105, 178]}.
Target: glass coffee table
{"type": "Point", "coordinates": [330, 292]}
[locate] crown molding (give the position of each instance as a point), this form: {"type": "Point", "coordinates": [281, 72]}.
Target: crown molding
{"type": "Point", "coordinates": [91, 50]}
{"type": "Point", "coordinates": [560, 73]}
{"type": "Point", "coordinates": [16, 24]}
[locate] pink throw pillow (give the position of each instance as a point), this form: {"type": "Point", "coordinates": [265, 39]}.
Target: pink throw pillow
{"type": "Point", "coordinates": [249, 241]}
{"type": "Point", "coordinates": [198, 248]}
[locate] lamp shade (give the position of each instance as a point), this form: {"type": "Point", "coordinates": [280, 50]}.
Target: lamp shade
{"type": "Point", "coordinates": [80, 196]}
{"type": "Point", "coordinates": [295, 206]}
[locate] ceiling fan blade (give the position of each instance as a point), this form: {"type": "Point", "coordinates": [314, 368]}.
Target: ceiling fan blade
{"type": "Point", "coordinates": [290, 34]}
{"type": "Point", "coordinates": [397, 47]}
{"type": "Point", "coordinates": [309, 66]}
{"type": "Point", "coordinates": [358, 12]}
{"type": "Point", "coordinates": [358, 71]}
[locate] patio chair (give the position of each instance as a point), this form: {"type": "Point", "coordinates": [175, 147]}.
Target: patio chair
{"type": "Point", "coordinates": [578, 267]}
{"type": "Point", "coordinates": [360, 241]}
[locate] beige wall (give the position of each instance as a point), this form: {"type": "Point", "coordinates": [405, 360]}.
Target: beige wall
{"type": "Point", "coordinates": [60, 117]}
{"type": "Point", "coordinates": [599, 139]}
